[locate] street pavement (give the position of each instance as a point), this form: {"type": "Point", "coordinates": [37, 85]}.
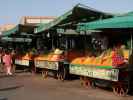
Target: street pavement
{"type": "Point", "coordinates": [25, 86]}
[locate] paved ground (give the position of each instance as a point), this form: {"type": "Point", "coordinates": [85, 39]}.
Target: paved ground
{"type": "Point", "coordinates": [25, 86]}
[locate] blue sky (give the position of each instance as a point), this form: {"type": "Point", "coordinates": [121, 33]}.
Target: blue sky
{"type": "Point", "coordinates": [12, 10]}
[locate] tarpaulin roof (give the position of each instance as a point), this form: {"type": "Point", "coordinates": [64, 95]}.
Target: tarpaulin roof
{"type": "Point", "coordinates": [11, 31]}
{"type": "Point", "coordinates": [79, 13]}
{"type": "Point", "coordinates": [18, 29]}
{"type": "Point", "coordinates": [11, 39]}
{"type": "Point", "coordinates": [116, 22]}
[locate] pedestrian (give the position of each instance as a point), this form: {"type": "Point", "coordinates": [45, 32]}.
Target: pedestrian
{"type": "Point", "coordinates": [13, 56]}
{"type": "Point", "coordinates": [0, 59]}
{"type": "Point", "coordinates": [1, 55]}
{"type": "Point", "coordinates": [7, 61]}
{"type": "Point", "coordinates": [61, 58]}
{"type": "Point", "coordinates": [130, 74]}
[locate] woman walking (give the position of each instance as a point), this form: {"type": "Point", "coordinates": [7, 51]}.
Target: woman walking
{"type": "Point", "coordinates": [7, 61]}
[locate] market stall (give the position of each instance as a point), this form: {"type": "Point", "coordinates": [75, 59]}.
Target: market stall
{"type": "Point", "coordinates": [52, 30]}
{"type": "Point", "coordinates": [20, 40]}
{"type": "Point", "coordinates": [101, 67]}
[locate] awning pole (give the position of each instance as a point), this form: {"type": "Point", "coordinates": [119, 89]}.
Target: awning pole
{"type": "Point", "coordinates": [52, 42]}
{"type": "Point", "coordinates": [131, 44]}
{"type": "Point", "coordinates": [66, 43]}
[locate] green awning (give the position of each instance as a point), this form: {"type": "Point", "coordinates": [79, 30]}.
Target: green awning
{"type": "Point", "coordinates": [28, 29]}
{"type": "Point", "coordinates": [10, 39]}
{"type": "Point", "coordinates": [43, 27]}
{"type": "Point", "coordinates": [116, 22]}
{"type": "Point", "coordinates": [79, 13]}
{"type": "Point", "coordinates": [129, 13]}
{"type": "Point", "coordinates": [11, 31]}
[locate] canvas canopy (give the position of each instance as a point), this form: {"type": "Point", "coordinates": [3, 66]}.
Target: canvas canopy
{"type": "Point", "coordinates": [19, 29]}
{"type": "Point", "coordinates": [10, 39]}
{"type": "Point", "coordinates": [79, 13]}
{"type": "Point", "coordinates": [9, 32]}
{"type": "Point", "coordinates": [116, 22]}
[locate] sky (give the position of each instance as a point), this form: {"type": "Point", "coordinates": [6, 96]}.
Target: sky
{"type": "Point", "coordinates": [12, 10]}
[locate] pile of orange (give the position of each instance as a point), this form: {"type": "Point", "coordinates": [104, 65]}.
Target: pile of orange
{"type": "Point", "coordinates": [72, 54]}
{"type": "Point", "coordinates": [27, 56]}
{"type": "Point", "coordinates": [41, 57]}
{"type": "Point", "coordinates": [103, 60]}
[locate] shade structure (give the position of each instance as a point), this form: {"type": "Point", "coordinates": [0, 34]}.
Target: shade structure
{"type": "Point", "coordinates": [79, 13]}
{"type": "Point", "coordinates": [11, 31]}
{"type": "Point", "coordinates": [18, 29]}
{"type": "Point", "coordinates": [115, 22]}
{"type": "Point", "coordinates": [10, 39]}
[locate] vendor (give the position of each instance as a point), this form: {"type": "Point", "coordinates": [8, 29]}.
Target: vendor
{"type": "Point", "coordinates": [117, 57]}
{"type": "Point", "coordinates": [61, 58]}
{"type": "Point", "coordinates": [130, 70]}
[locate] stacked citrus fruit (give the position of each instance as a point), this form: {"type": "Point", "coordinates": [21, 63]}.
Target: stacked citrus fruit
{"type": "Point", "coordinates": [105, 59]}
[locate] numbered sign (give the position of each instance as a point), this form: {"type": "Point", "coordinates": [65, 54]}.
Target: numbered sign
{"type": "Point", "coordinates": [22, 62]}
{"type": "Point", "coordinates": [46, 64]}
{"type": "Point", "coordinates": [92, 71]}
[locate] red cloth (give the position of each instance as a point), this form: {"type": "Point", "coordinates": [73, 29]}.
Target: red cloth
{"type": "Point", "coordinates": [7, 60]}
{"type": "Point", "coordinates": [117, 59]}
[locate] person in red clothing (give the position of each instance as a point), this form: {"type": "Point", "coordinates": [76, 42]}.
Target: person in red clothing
{"type": "Point", "coordinates": [7, 61]}
{"type": "Point", "coordinates": [117, 57]}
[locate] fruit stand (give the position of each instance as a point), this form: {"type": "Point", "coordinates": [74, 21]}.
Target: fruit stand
{"type": "Point", "coordinates": [49, 62]}
{"type": "Point", "coordinates": [54, 29]}
{"type": "Point", "coordinates": [44, 61]}
{"type": "Point", "coordinates": [20, 39]}
{"type": "Point", "coordinates": [93, 69]}
{"type": "Point", "coordinates": [23, 60]}
{"type": "Point", "coordinates": [96, 67]}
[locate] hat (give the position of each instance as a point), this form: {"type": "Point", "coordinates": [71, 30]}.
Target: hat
{"type": "Point", "coordinates": [123, 46]}
{"type": "Point", "coordinates": [58, 51]}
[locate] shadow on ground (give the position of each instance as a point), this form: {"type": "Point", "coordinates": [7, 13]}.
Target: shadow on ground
{"type": "Point", "coordinates": [11, 88]}
{"type": "Point", "coordinates": [3, 98]}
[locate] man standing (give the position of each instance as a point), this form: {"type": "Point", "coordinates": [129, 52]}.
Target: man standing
{"type": "Point", "coordinates": [130, 69]}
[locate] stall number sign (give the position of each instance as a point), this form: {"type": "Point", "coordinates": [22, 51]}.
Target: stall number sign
{"type": "Point", "coordinates": [91, 71]}
{"type": "Point", "coordinates": [47, 64]}
{"type": "Point", "coordinates": [22, 62]}
{"type": "Point", "coordinates": [40, 64]}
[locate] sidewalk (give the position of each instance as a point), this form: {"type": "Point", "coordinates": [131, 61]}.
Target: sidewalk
{"type": "Point", "coordinates": [3, 98]}
{"type": "Point", "coordinates": [8, 82]}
